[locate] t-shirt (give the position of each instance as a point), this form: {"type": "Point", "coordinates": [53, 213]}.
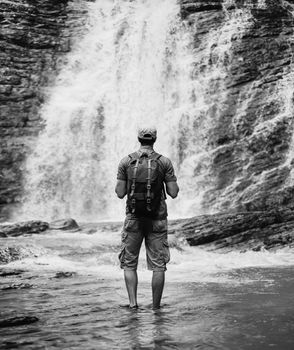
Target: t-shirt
{"type": "Point", "coordinates": [165, 168]}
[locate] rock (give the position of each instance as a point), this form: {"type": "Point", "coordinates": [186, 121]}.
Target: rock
{"type": "Point", "coordinates": [191, 6]}
{"type": "Point", "coordinates": [7, 273]}
{"type": "Point", "coordinates": [64, 224]}
{"type": "Point", "coordinates": [64, 274]}
{"type": "Point", "coordinates": [243, 54]}
{"type": "Point", "coordinates": [21, 228]}
{"type": "Point", "coordinates": [18, 252]}
{"type": "Point", "coordinates": [35, 36]}
{"type": "Point", "coordinates": [18, 321]}
{"type": "Point", "coordinates": [17, 286]}
{"type": "Point", "coordinates": [238, 231]}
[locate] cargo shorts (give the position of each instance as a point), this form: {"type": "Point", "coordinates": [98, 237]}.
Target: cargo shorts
{"type": "Point", "coordinates": [157, 249]}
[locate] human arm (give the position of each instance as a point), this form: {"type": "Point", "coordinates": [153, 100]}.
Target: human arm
{"type": "Point", "coordinates": [121, 188]}
{"type": "Point", "coordinates": [121, 184]}
{"type": "Point", "coordinates": [170, 179]}
{"type": "Point", "coordinates": [172, 189]}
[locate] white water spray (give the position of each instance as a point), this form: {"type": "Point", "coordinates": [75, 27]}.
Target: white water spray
{"type": "Point", "coordinates": [136, 65]}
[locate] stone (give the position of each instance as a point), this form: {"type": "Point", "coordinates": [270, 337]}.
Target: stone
{"type": "Point", "coordinates": [17, 286]}
{"type": "Point", "coordinates": [11, 272]}
{"type": "Point", "coordinates": [64, 274]}
{"type": "Point", "coordinates": [16, 251]}
{"type": "Point", "coordinates": [18, 321]}
{"type": "Point", "coordinates": [64, 224]}
{"type": "Point", "coordinates": [35, 36]}
{"type": "Point", "coordinates": [238, 231]}
{"type": "Point", "coordinates": [21, 228]}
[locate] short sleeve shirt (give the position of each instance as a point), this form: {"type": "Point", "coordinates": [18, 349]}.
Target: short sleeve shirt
{"type": "Point", "coordinates": [165, 168]}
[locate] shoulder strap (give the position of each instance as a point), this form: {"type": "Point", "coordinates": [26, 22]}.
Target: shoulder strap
{"type": "Point", "coordinates": [155, 155]}
{"type": "Point", "coordinates": [134, 155]}
{"type": "Point", "coordinates": [133, 185]}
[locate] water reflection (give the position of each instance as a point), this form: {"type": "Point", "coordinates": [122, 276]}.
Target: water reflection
{"type": "Point", "coordinates": [146, 329]}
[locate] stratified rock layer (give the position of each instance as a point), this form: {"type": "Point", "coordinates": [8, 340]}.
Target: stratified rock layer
{"type": "Point", "coordinates": [250, 141]}
{"type": "Point", "coordinates": [240, 231]}
{"type": "Point", "coordinates": [34, 37]}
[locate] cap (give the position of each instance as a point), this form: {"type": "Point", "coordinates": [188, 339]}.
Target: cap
{"type": "Point", "coordinates": [147, 133]}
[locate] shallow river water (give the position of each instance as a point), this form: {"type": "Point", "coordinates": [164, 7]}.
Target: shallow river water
{"type": "Point", "coordinates": [211, 300]}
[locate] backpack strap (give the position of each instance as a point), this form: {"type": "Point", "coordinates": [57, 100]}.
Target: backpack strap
{"type": "Point", "coordinates": [133, 185]}
{"type": "Point", "coordinates": [133, 156]}
{"type": "Point", "coordinates": [155, 156]}
{"type": "Point", "coordinates": [148, 193]}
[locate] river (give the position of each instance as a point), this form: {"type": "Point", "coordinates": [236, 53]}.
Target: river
{"type": "Point", "coordinates": [73, 284]}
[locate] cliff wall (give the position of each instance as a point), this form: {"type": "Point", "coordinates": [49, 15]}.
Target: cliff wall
{"type": "Point", "coordinates": [34, 37]}
{"type": "Point", "coordinates": [251, 141]}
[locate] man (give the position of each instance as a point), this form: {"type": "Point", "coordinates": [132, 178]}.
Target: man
{"type": "Point", "coordinates": [146, 213]}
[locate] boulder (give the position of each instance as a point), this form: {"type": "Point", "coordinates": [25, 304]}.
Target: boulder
{"type": "Point", "coordinates": [238, 231]}
{"type": "Point", "coordinates": [8, 273]}
{"type": "Point", "coordinates": [21, 228]}
{"type": "Point", "coordinates": [65, 274]}
{"type": "Point", "coordinates": [17, 252]}
{"type": "Point", "coordinates": [18, 321]}
{"type": "Point", "coordinates": [16, 286]}
{"type": "Point", "coordinates": [64, 224]}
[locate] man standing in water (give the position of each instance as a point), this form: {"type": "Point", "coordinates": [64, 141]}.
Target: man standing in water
{"type": "Point", "coordinates": [143, 176]}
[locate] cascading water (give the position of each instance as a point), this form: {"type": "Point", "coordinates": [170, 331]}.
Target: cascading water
{"type": "Point", "coordinates": [136, 65]}
{"type": "Point", "coordinates": [115, 79]}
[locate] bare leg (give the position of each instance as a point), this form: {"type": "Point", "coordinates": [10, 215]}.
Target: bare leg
{"type": "Point", "coordinates": [131, 279]}
{"type": "Point", "coordinates": [157, 287]}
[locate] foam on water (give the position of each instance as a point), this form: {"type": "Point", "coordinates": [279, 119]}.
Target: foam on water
{"type": "Point", "coordinates": [97, 255]}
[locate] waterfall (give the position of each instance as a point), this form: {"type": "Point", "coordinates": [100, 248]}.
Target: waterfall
{"type": "Point", "coordinates": [117, 77]}
{"type": "Point", "coordinates": [137, 64]}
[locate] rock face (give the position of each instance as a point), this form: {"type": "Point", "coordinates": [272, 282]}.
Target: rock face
{"type": "Point", "coordinates": [248, 145]}
{"type": "Point", "coordinates": [22, 228]}
{"type": "Point", "coordinates": [239, 231]}
{"type": "Point", "coordinates": [250, 140]}
{"type": "Point", "coordinates": [34, 37]}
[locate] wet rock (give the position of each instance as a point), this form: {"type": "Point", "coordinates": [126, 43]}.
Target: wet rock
{"type": "Point", "coordinates": [18, 321]}
{"type": "Point", "coordinates": [251, 129]}
{"type": "Point", "coordinates": [64, 224]}
{"type": "Point", "coordinates": [7, 273]}
{"type": "Point", "coordinates": [238, 231]}
{"type": "Point", "coordinates": [191, 6]}
{"type": "Point", "coordinates": [21, 228]}
{"type": "Point", "coordinates": [18, 252]}
{"type": "Point", "coordinates": [65, 274]}
{"type": "Point", "coordinates": [34, 38]}
{"type": "Point", "coordinates": [17, 286]}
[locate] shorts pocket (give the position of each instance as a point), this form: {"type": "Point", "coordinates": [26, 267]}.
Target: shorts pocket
{"type": "Point", "coordinates": [166, 252]}
{"type": "Point", "coordinates": [159, 225]}
{"type": "Point", "coordinates": [131, 225]}
{"type": "Point", "coordinates": [122, 253]}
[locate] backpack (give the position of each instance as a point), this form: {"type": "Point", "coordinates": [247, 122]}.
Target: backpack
{"type": "Point", "coordinates": [145, 185]}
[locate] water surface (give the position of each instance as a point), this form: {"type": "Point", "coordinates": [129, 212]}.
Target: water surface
{"type": "Point", "coordinates": [211, 300]}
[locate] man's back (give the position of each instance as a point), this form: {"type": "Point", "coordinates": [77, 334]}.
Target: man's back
{"type": "Point", "coordinates": [165, 173]}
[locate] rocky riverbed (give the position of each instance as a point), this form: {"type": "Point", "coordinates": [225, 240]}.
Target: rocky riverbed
{"type": "Point", "coordinates": [224, 232]}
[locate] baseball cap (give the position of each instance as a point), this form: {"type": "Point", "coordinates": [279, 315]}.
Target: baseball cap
{"type": "Point", "coordinates": [147, 133]}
